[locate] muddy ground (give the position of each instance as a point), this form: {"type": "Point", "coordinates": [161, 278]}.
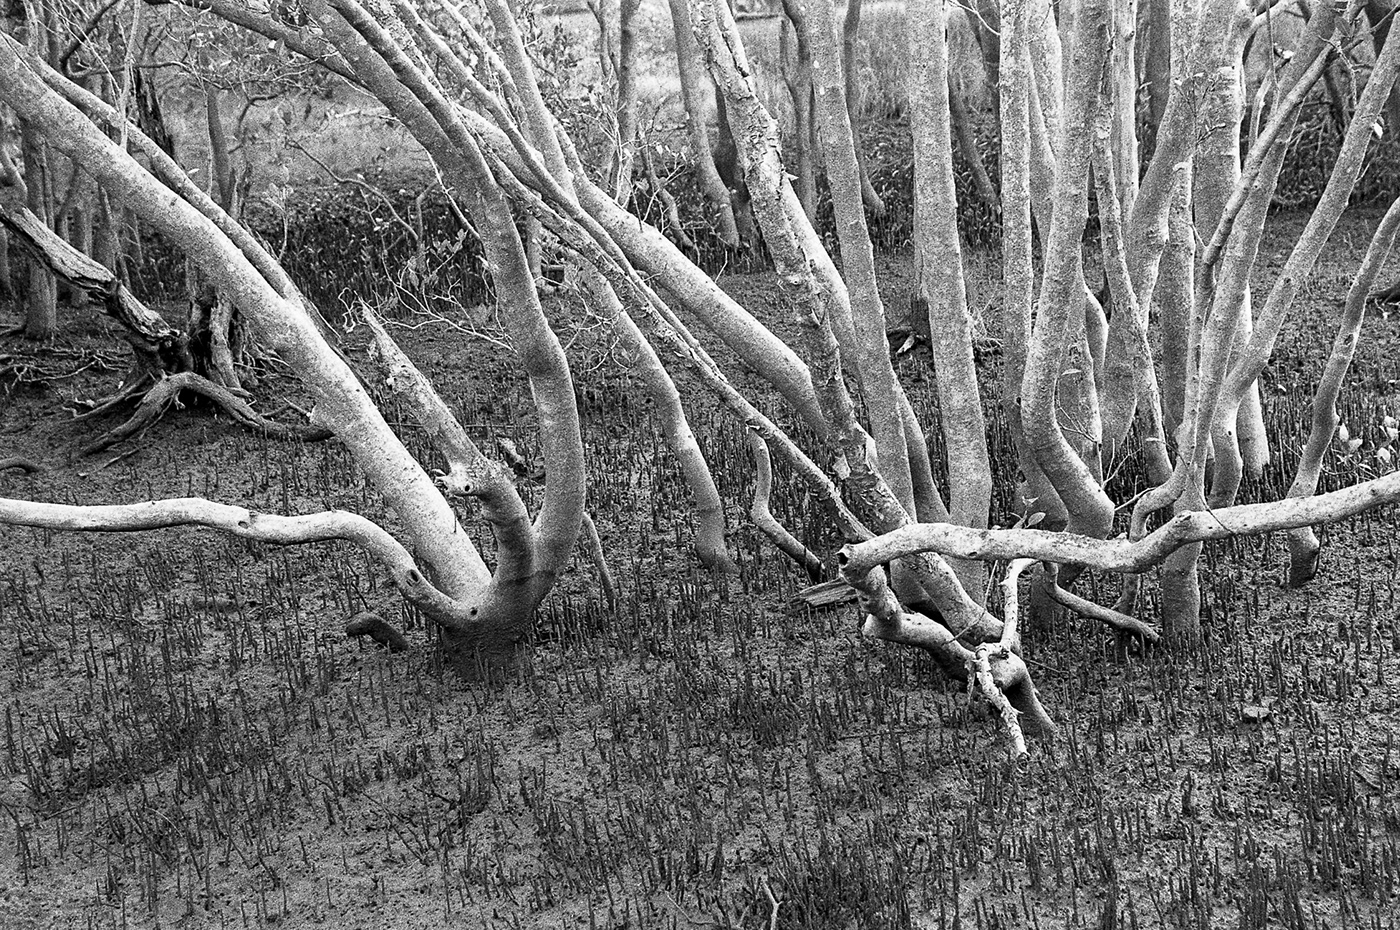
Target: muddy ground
{"type": "Point", "coordinates": [190, 740]}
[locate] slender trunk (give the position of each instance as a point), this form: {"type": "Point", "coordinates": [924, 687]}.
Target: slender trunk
{"type": "Point", "coordinates": [623, 157]}
{"type": "Point", "coordinates": [1251, 360]}
{"type": "Point", "coordinates": [858, 258]}
{"type": "Point", "coordinates": [693, 93]}
{"type": "Point", "coordinates": [1018, 271]}
{"type": "Point", "coordinates": [850, 67]}
{"type": "Point", "coordinates": [41, 298]}
{"type": "Point", "coordinates": [1059, 313]}
{"type": "Point", "coordinates": [940, 271]}
{"type": "Point", "coordinates": [797, 75]}
{"type": "Point", "coordinates": [1123, 72]}
{"type": "Point", "coordinates": [961, 120]}
{"type": "Point", "coordinates": [221, 168]}
{"type": "Point", "coordinates": [710, 543]}
{"type": "Point", "coordinates": [985, 17]}
{"type": "Point", "coordinates": [1303, 546]}
{"type": "Point", "coordinates": [1157, 72]}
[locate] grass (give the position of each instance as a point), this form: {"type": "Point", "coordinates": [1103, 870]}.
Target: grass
{"type": "Point", "coordinates": [190, 740]}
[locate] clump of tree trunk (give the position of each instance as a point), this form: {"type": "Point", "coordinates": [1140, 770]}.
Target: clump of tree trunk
{"type": "Point", "coordinates": [1179, 235]}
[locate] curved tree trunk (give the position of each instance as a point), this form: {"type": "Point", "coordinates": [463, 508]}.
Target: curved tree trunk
{"type": "Point", "coordinates": [1303, 546]}
{"type": "Point", "coordinates": [1059, 311]}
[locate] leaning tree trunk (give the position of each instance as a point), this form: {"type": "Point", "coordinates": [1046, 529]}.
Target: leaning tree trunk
{"type": "Point", "coordinates": [1303, 545]}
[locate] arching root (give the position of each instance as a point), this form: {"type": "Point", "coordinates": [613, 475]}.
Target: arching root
{"type": "Point", "coordinates": [378, 629]}
{"type": "Point", "coordinates": [763, 518]}
{"type": "Point", "coordinates": [28, 466]}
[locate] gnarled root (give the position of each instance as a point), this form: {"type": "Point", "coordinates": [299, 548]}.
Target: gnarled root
{"type": "Point", "coordinates": [165, 392]}
{"type": "Point", "coordinates": [1002, 679]}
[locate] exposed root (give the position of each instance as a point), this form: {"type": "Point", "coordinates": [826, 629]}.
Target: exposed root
{"type": "Point", "coordinates": [28, 466]}
{"type": "Point", "coordinates": [763, 518]}
{"type": "Point", "coordinates": [166, 392]}
{"type": "Point", "coordinates": [133, 388]}
{"type": "Point", "coordinates": [378, 629]}
{"type": "Point", "coordinates": [981, 681]}
{"type": "Point", "coordinates": [1121, 622]}
{"type": "Point", "coordinates": [1304, 555]}
{"type": "Point", "coordinates": [600, 559]}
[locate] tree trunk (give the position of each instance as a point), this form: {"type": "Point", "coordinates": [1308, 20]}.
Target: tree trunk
{"type": "Point", "coordinates": [621, 168]}
{"type": "Point", "coordinates": [857, 254]}
{"type": "Point", "coordinates": [41, 298]}
{"type": "Point", "coordinates": [797, 75]}
{"type": "Point", "coordinates": [1060, 310]}
{"type": "Point", "coordinates": [693, 93]}
{"type": "Point", "coordinates": [1303, 545]}
{"type": "Point", "coordinates": [850, 67]}
{"type": "Point", "coordinates": [940, 271]}
{"type": "Point", "coordinates": [961, 120]}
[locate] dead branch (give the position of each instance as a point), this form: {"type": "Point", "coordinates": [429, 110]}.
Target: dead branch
{"type": "Point", "coordinates": [247, 524]}
{"type": "Point", "coordinates": [166, 392]}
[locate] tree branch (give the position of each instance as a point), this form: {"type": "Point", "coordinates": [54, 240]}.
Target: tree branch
{"type": "Point", "coordinates": [246, 524]}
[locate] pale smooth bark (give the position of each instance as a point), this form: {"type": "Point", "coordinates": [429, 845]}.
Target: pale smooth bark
{"type": "Point", "coordinates": [1056, 326]}
{"type": "Point", "coordinates": [1303, 545]}
{"type": "Point", "coordinates": [399, 82]}
{"type": "Point", "coordinates": [342, 404]}
{"type": "Point", "coordinates": [709, 541]}
{"type": "Point", "coordinates": [858, 259]}
{"type": "Point", "coordinates": [940, 273]}
{"type": "Point", "coordinates": [1250, 362]}
{"type": "Point", "coordinates": [692, 78]}
{"type": "Point", "coordinates": [1120, 555]}
{"type": "Point", "coordinates": [850, 44]}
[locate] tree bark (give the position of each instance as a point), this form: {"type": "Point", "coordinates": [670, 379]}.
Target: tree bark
{"type": "Point", "coordinates": [693, 82]}
{"type": "Point", "coordinates": [1056, 326]}
{"type": "Point", "coordinates": [1303, 545]}
{"type": "Point", "coordinates": [940, 271]}
{"type": "Point", "coordinates": [850, 67]}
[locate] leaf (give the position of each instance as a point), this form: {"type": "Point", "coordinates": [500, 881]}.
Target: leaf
{"type": "Point", "coordinates": [1035, 519]}
{"type": "Point", "coordinates": [1383, 455]}
{"type": "Point", "coordinates": [1343, 433]}
{"type": "Point", "coordinates": [1354, 445]}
